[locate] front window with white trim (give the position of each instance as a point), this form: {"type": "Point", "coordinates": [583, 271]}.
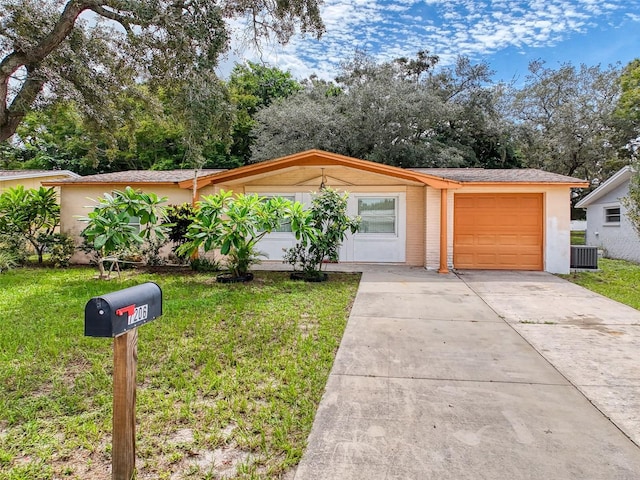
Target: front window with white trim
{"type": "Point", "coordinates": [378, 214]}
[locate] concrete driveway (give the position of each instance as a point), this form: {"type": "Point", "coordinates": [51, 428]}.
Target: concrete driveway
{"type": "Point", "coordinates": [484, 375]}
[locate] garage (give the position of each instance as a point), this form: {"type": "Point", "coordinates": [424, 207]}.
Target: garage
{"type": "Point", "coordinates": [498, 231]}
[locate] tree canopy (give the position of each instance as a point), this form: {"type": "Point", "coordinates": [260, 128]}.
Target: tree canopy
{"type": "Point", "coordinates": [399, 112]}
{"type": "Point", "coordinates": [565, 119]}
{"type": "Point", "coordinates": [93, 50]}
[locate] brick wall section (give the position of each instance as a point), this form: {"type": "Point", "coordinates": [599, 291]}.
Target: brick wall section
{"type": "Point", "coordinates": [415, 226]}
{"type": "Point", "coordinates": [432, 228]}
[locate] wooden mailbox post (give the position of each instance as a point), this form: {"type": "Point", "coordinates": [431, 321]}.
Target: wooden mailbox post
{"type": "Point", "coordinates": [119, 314]}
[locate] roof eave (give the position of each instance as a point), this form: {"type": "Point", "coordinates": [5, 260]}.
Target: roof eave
{"type": "Point", "coordinates": [53, 173]}
{"type": "Point", "coordinates": [320, 158]}
{"type": "Point", "coordinates": [118, 182]}
{"type": "Point", "coordinates": [512, 183]}
{"type": "Point", "coordinates": [617, 179]}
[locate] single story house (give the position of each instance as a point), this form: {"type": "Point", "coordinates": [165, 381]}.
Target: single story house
{"type": "Point", "coordinates": [437, 218]}
{"type": "Point", "coordinates": [608, 226]}
{"type": "Point", "coordinates": [31, 178]}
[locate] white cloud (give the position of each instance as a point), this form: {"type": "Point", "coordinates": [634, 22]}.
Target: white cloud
{"type": "Point", "coordinates": [390, 28]}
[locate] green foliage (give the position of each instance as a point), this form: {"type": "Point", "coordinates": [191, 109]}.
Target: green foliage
{"type": "Point", "coordinates": [31, 214]}
{"type": "Point", "coordinates": [204, 265]}
{"type": "Point", "coordinates": [15, 246]}
{"type": "Point", "coordinates": [7, 260]}
{"type": "Point", "coordinates": [394, 113]}
{"type": "Point", "coordinates": [179, 217]}
{"type": "Point", "coordinates": [632, 202]}
{"type": "Point", "coordinates": [629, 103]}
{"type": "Point", "coordinates": [109, 227]}
{"type": "Point", "coordinates": [566, 120]}
{"type": "Point", "coordinates": [254, 86]}
{"type": "Point", "coordinates": [234, 224]}
{"type": "Point", "coordinates": [48, 43]}
{"type": "Point", "coordinates": [321, 232]}
{"type": "Point", "coordinates": [627, 111]}
{"type": "Point", "coordinates": [60, 247]}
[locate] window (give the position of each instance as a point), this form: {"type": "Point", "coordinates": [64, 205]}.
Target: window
{"type": "Point", "coordinates": [378, 214]}
{"type": "Point", "coordinates": [285, 226]}
{"type": "Point", "coordinates": [612, 215]}
{"type": "Point", "coordinates": [135, 222]}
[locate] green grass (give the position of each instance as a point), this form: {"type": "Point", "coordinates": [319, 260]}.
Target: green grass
{"type": "Point", "coordinates": [617, 279]}
{"type": "Point", "coordinates": [231, 370]}
{"type": "Point", "coordinates": [578, 237]}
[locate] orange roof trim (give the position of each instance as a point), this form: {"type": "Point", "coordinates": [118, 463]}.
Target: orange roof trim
{"type": "Point", "coordinates": [320, 158]}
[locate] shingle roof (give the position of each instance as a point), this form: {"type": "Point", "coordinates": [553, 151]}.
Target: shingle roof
{"type": "Point", "coordinates": [620, 177]}
{"type": "Point", "coordinates": [140, 176]}
{"type": "Point", "coordinates": [463, 175]}
{"type": "Point", "coordinates": [529, 175]}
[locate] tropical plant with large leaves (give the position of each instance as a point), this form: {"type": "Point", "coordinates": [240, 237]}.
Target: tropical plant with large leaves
{"type": "Point", "coordinates": [122, 220]}
{"type": "Point", "coordinates": [235, 225]}
{"type": "Point", "coordinates": [32, 214]}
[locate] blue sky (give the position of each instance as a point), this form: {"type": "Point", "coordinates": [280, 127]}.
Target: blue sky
{"type": "Point", "coordinates": [506, 34]}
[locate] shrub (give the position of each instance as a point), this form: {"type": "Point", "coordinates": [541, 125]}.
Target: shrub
{"type": "Point", "coordinates": [205, 265]}
{"type": "Point", "coordinates": [60, 247]}
{"type": "Point", "coordinates": [7, 260]}
{"type": "Point", "coordinates": [180, 218]}
{"type": "Point", "coordinates": [234, 224]}
{"type": "Point", "coordinates": [321, 232]}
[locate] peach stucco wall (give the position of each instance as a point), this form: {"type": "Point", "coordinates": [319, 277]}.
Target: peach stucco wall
{"type": "Point", "coordinates": [78, 201]}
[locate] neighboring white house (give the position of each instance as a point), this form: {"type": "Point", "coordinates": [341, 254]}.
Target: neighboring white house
{"type": "Point", "coordinates": [608, 226]}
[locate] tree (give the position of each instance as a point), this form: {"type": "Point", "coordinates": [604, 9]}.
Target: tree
{"type": "Point", "coordinates": [632, 202]}
{"type": "Point", "coordinates": [565, 119]}
{"type": "Point", "coordinates": [110, 229]}
{"type": "Point", "coordinates": [399, 113]}
{"type": "Point", "coordinates": [31, 214]}
{"type": "Point", "coordinates": [254, 86]}
{"type": "Point", "coordinates": [627, 111]}
{"type": "Point", "coordinates": [93, 50]}
{"type": "Point", "coordinates": [629, 102]}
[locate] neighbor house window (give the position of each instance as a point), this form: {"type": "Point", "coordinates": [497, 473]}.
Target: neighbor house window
{"type": "Point", "coordinates": [612, 215]}
{"type": "Point", "coordinates": [285, 226]}
{"type": "Point", "coordinates": [378, 214]}
{"type": "Point", "coordinates": [135, 222]}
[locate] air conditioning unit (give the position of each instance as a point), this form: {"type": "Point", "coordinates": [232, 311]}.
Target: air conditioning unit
{"type": "Point", "coordinates": [584, 257]}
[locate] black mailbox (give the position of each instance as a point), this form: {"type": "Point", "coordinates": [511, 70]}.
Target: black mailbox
{"type": "Point", "coordinates": [118, 312]}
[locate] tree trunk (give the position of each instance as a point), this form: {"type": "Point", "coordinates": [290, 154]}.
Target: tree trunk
{"type": "Point", "coordinates": [12, 114]}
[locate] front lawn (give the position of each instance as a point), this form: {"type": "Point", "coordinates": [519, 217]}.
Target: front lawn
{"type": "Point", "coordinates": [617, 279]}
{"type": "Point", "coordinates": [229, 378]}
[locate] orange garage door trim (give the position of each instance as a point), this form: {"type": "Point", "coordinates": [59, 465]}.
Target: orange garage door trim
{"type": "Point", "coordinates": [498, 231]}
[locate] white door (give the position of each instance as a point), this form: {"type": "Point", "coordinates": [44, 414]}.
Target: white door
{"type": "Point", "coordinates": [382, 234]}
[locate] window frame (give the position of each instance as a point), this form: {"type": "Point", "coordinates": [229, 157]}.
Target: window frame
{"type": "Point", "coordinates": [607, 215]}
{"type": "Point", "coordinates": [396, 214]}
